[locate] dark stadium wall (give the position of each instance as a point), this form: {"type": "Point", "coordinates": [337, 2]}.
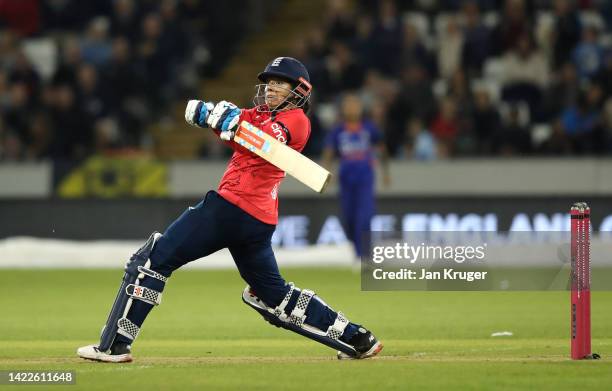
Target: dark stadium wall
{"type": "Point", "coordinates": [303, 220]}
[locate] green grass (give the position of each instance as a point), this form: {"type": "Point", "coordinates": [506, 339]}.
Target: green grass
{"type": "Point", "coordinates": [203, 337]}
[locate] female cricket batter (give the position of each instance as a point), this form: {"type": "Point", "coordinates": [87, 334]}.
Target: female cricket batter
{"type": "Point", "coordinates": [241, 216]}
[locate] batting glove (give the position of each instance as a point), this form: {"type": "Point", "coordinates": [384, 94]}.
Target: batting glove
{"type": "Point", "coordinates": [224, 117]}
{"type": "Point", "coordinates": [197, 112]}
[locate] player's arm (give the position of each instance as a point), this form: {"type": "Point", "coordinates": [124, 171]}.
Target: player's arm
{"type": "Point", "coordinates": [380, 149]}
{"type": "Point", "coordinates": [383, 154]}
{"type": "Point", "coordinates": [330, 149]}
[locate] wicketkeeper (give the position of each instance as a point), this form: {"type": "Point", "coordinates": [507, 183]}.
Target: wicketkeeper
{"type": "Point", "coordinates": [241, 216]}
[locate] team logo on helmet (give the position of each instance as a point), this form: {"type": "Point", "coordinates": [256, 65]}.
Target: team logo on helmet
{"type": "Point", "coordinates": [276, 61]}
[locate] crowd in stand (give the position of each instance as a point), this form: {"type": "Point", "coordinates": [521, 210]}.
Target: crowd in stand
{"type": "Point", "coordinates": [440, 78]}
{"type": "Point", "coordinates": [472, 78]}
{"type": "Point", "coordinates": [80, 77]}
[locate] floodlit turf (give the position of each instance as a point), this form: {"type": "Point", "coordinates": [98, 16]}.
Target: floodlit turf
{"type": "Point", "coordinates": [203, 337]}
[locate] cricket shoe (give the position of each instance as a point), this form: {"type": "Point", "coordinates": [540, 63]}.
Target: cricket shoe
{"type": "Point", "coordinates": [119, 352]}
{"type": "Point", "coordinates": [365, 343]}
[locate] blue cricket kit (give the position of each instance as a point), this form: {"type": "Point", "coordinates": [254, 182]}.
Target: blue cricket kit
{"type": "Point", "coordinates": [355, 146]}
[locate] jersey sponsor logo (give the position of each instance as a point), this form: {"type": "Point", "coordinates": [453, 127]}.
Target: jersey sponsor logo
{"type": "Point", "coordinates": [278, 132]}
{"type": "Point", "coordinates": [277, 61]}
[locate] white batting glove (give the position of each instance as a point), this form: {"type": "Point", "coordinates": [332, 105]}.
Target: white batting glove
{"type": "Point", "coordinates": [197, 112]}
{"type": "Point", "coordinates": [224, 117]}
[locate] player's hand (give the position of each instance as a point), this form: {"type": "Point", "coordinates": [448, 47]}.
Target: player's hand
{"type": "Point", "coordinates": [197, 112]}
{"type": "Point", "coordinates": [224, 117]}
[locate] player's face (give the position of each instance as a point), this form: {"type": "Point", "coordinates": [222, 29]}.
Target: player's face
{"type": "Point", "coordinates": [352, 108]}
{"type": "Point", "coordinates": [276, 92]}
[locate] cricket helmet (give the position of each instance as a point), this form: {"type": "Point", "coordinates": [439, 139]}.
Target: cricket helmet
{"type": "Point", "coordinates": [292, 71]}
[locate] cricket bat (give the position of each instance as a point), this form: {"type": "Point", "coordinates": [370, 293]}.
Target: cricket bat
{"type": "Point", "coordinates": [282, 156]}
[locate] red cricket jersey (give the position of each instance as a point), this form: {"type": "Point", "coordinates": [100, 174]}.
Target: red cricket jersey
{"type": "Point", "coordinates": [250, 182]}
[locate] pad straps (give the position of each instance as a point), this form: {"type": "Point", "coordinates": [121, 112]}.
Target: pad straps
{"type": "Point", "coordinates": [336, 330]}
{"type": "Point", "coordinates": [280, 310]}
{"type": "Point", "coordinates": [143, 293]}
{"type": "Point", "coordinates": [127, 328]}
{"type": "Point", "coordinates": [298, 315]}
{"type": "Point", "coordinates": [151, 273]}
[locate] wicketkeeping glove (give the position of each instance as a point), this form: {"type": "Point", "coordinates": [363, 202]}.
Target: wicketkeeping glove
{"type": "Point", "coordinates": [197, 112]}
{"type": "Point", "coordinates": [224, 117]}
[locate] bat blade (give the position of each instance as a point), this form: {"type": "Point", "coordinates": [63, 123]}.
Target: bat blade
{"type": "Point", "coordinates": [282, 156]}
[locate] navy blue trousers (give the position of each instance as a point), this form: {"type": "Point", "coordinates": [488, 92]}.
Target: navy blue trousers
{"type": "Point", "coordinates": [214, 224]}
{"type": "Point", "coordinates": [357, 202]}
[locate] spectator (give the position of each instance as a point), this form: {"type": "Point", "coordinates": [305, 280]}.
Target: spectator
{"type": "Point", "coordinates": [583, 123]}
{"type": "Point", "coordinates": [122, 74]}
{"type": "Point", "coordinates": [138, 57]}
{"type": "Point", "coordinates": [62, 15]}
{"type": "Point", "coordinates": [607, 126]}
{"type": "Point", "coordinates": [317, 51]}
{"type": "Point", "coordinates": [156, 56]}
{"type": "Point", "coordinates": [40, 138]}
{"type": "Point", "coordinates": [8, 49]}
{"type": "Point", "coordinates": [459, 89]}
{"type": "Point", "coordinates": [450, 49]}
{"type": "Point", "coordinates": [513, 138]}
{"type": "Point", "coordinates": [485, 120]}
{"type": "Point", "coordinates": [173, 31]}
{"type": "Point", "coordinates": [72, 128]}
{"type": "Point", "coordinates": [363, 43]}
{"type": "Point", "coordinates": [341, 21]}
{"type": "Point", "coordinates": [415, 99]}
{"type": "Point", "coordinates": [11, 148]}
{"type": "Point", "coordinates": [95, 48]}
{"type": "Point", "coordinates": [91, 94]}
{"type": "Point", "coordinates": [17, 114]}
{"type": "Point", "coordinates": [525, 76]}
{"type": "Point", "coordinates": [4, 91]}
{"type": "Point", "coordinates": [525, 65]}
{"type": "Point", "coordinates": [476, 47]}
{"type": "Point", "coordinates": [387, 39]}
{"type": "Point", "coordinates": [106, 136]}
{"type": "Point", "coordinates": [23, 72]}
{"type": "Point", "coordinates": [445, 126]}
{"type": "Point", "coordinates": [558, 143]}
{"type": "Point", "coordinates": [563, 92]}
{"type": "Point", "coordinates": [514, 24]}
{"type": "Point", "coordinates": [125, 20]}
{"type": "Point", "coordinates": [128, 105]}
{"type": "Point", "coordinates": [588, 55]}
{"type": "Point", "coordinates": [22, 17]}
{"type": "Point", "coordinates": [604, 76]}
{"type": "Point", "coordinates": [566, 32]}
{"type": "Point", "coordinates": [345, 73]}
{"type": "Point", "coordinates": [376, 89]}
{"type": "Point", "coordinates": [413, 50]}
{"type": "Point", "coordinates": [71, 60]}
{"type": "Point", "coordinates": [421, 144]}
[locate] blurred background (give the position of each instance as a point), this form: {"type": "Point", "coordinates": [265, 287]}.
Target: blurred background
{"type": "Point", "coordinates": [496, 114]}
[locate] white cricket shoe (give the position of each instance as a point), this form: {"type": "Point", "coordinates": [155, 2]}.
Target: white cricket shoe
{"type": "Point", "coordinates": [118, 353]}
